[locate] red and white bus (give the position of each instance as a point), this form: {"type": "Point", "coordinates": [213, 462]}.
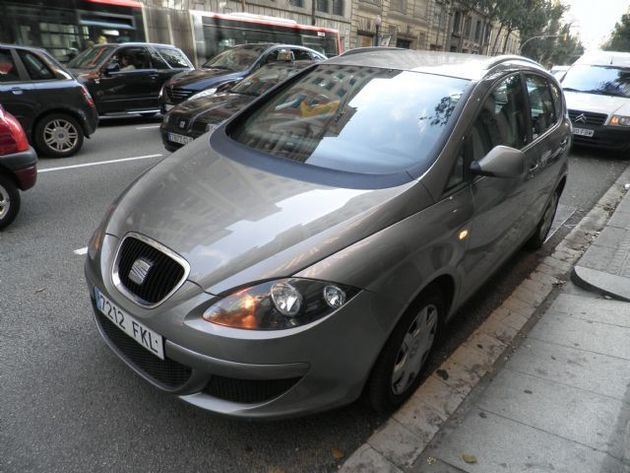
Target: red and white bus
{"type": "Point", "coordinates": [214, 32]}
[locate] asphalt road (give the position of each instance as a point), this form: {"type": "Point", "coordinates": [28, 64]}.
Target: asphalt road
{"type": "Point", "coordinates": [67, 403]}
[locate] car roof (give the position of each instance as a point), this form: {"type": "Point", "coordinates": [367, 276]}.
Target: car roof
{"type": "Point", "coordinates": [27, 48]}
{"type": "Point", "coordinates": [465, 66]}
{"type": "Point", "coordinates": [134, 43]}
{"type": "Point", "coordinates": [605, 58]}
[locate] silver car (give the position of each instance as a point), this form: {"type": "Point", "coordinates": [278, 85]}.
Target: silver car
{"type": "Point", "coordinates": [313, 248]}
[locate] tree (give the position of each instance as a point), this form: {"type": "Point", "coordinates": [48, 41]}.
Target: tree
{"type": "Point", "coordinates": [620, 38]}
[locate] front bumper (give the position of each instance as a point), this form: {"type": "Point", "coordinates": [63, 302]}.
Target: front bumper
{"type": "Point", "coordinates": [165, 129]}
{"type": "Point", "coordinates": [605, 137]}
{"type": "Point", "coordinates": [243, 373]}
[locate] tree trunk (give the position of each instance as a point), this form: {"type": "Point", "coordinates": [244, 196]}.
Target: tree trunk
{"type": "Point", "coordinates": [507, 37]}
{"type": "Point", "coordinates": [496, 40]}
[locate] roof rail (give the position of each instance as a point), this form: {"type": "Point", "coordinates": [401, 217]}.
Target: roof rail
{"type": "Point", "coordinates": [368, 48]}
{"type": "Point", "coordinates": [511, 57]}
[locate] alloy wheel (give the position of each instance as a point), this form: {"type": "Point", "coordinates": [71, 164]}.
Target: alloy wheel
{"type": "Point", "coordinates": [5, 202]}
{"type": "Point", "coordinates": [60, 135]}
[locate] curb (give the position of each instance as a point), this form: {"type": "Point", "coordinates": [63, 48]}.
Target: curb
{"type": "Point", "coordinates": [397, 445]}
{"type": "Point", "coordinates": [607, 284]}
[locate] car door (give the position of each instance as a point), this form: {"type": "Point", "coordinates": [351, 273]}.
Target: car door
{"type": "Point", "coordinates": [500, 221]}
{"type": "Point", "coordinates": [548, 141]}
{"type": "Point", "coordinates": [16, 93]}
{"type": "Point", "coordinates": [129, 82]}
{"type": "Point", "coordinates": [168, 61]}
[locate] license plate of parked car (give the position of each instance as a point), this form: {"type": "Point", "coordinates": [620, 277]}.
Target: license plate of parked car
{"type": "Point", "coordinates": [177, 138]}
{"type": "Point", "coordinates": [583, 132]}
{"type": "Point", "coordinates": [121, 319]}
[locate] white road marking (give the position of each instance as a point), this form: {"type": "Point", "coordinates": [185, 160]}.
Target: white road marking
{"type": "Point", "coordinates": [80, 251]}
{"type": "Point", "coordinates": [99, 163]}
{"type": "Point", "coordinates": [147, 127]}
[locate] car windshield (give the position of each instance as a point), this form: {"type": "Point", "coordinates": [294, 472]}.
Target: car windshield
{"type": "Point", "coordinates": [356, 119]}
{"type": "Point", "coordinates": [603, 80]}
{"type": "Point", "coordinates": [235, 59]}
{"type": "Point", "coordinates": [264, 79]}
{"type": "Point", "coordinates": [90, 58]}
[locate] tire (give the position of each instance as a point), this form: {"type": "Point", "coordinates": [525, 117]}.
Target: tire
{"type": "Point", "coordinates": [58, 135]}
{"type": "Point", "coordinates": [386, 388]}
{"type": "Point", "coordinates": [9, 201]}
{"type": "Point", "coordinates": [542, 229]}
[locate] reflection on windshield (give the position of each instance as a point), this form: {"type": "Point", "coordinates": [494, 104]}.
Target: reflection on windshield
{"type": "Point", "coordinates": [90, 58]}
{"type": "Point", "coordinates": [356, 119]}
{"type": "Point", "coordinates": [236, 59]}
{"type": "Point", "coordinates": [604, 80]}
{"type": "Point", "coordinates": [264, 80]}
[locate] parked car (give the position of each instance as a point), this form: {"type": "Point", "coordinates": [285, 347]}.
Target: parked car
{"type": "Point", "coordinates": [316, 245]}
{"type": "Point", "coordinates": [127, 78]}
{"type": "Point", "coordinates": [597, 90]}
{"type": "Point", "coordinates": [230, 66]}
{"type": "Point", "coordinates": [56, 111]}
{"type": "Point", "coordinates": [559, 71]}
{"type": "Point", "coordinates": [18, 166]}
{"type": "Point", "coordinates": [204, 111]}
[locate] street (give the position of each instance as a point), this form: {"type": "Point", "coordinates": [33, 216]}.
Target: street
{"type": "Point", "coordinates": [68, 404]}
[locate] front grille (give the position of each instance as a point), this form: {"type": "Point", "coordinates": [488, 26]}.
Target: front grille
{"type": "Point", "coordinates": [177, 95]}
{"type": "Point", "coordinates": [168, 372]}
{"type": "Point", "coordinates": [592, 119]}
{"type": "Point", "coordinates": [162, 277]}
{"type": "Point", "coordinates": [247, 391]}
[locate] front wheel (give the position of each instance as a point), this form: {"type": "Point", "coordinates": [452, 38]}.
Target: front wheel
{"type": "Point", "coordinates": [396, 374]}
{"type": "Point", "coordinates": [58, 135]}
{"type": "Point", "coordinates": [9, 201]}
{"type": "Point", "coordinates": [542, 229]}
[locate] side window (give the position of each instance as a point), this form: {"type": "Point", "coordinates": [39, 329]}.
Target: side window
{"type": "Point", "coordinates": [174, 57]}
{"type": "Point", "coordinates": [8, 72]}
{"type": "Point", "coordinates": [302, 55]}
{"type": "Point", "coordinates": [557, 100]}
{"type": "Point", "coordinates": [35, 67]}
{"type": "Point", "coordinates": [502, 117]}
{"type": "Point", "coordinates": [132, 58]}
{"type": "Point", "coordinates": [542, 111]}
{"type": "Point", "coordinates": [156, 60]}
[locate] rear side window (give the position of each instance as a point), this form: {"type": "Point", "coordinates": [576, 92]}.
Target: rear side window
{"type": "Point", "coordinates": [174, 57]}
{"type": "Point", "coordinates": [542, 110]}
{"type": "Point", "coordinates": [36, 68]}
{"type": "Point", "coordinates": [557, 100]}
{"type": "Point", "coordinates": [8, 72]}
{"type": "Point", "coordinates": [157, 62]}
{"type": "Point", "coordinates": [356, 119]}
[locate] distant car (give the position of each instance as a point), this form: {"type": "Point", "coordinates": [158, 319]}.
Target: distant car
{"type": "Point", "coordinates": [597, 91]}
{"type": "Point", "coordinates": [316, 245]}
{"type": "Point", "coordinates": [204, 111]}
{"type": "Point", "coordinates": [55, 110]}
{"type": "Point", "coordinates": [18, 166]}
{"type": "Point", "coordinates": [559, 71]}
{"type": "Point", "coordinates": [127, 78]}
{"type": "Point", "coordinates": [230, 66]}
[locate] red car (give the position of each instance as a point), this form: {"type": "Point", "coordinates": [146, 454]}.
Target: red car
{"type": "Point", "coordinates": [18, 166]}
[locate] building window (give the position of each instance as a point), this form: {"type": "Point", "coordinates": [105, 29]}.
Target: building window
{"type": "Point", "coordinates": [398, 5]}
{"type": "Point", "coordinates": [467, 27]}
{"type": "Point", "coordinates": [478, 31]}
{"type": "Point", "coordinates": [337, 7]}
{"type": "Point", "coordinates": [297, 3]}
{"type": "Point", "coordinates": [456, 22]}
{"type": "Point", "coordinates": [378, 3]}
{"type": "Point", "coordinates": [322, 5]}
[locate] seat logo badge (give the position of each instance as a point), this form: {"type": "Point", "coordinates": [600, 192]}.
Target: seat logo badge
{"type": "Point", "coordinates": [182, 124]}
{"type": "Point", "coordinates": [581, 118]}
{"type": "Point", "coordinates": [139, 270]}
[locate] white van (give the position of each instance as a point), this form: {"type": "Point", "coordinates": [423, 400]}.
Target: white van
{"type": "Point", "coordinates": [597, 91]}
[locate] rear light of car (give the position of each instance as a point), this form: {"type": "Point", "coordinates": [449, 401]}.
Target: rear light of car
{"type": "Point", "coordinates": [87, 97]}
{"type": "Point", "coordinates": [12, 136]}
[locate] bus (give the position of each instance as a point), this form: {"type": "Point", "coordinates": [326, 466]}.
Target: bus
{"type": "Point", "coordinates": [214, 33]}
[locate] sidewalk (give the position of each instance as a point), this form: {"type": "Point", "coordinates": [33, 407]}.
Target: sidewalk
{"type": "Point", "coordinates": [560, 401]}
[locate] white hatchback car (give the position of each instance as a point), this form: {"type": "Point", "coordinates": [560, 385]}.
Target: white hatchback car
{"type": "Point", "coordinates": [597, 91]}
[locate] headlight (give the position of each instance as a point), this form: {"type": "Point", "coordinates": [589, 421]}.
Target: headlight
{"type": "Point", "coordinates": [620, 120]}
{"type": "Point", "coordinates": [161, 92]}
{"type": "Point", "coordinates": [203, 93]}
{"type": "Point", "coordinates": [280, 304]}
{"type": "Point", "coordinates": [165, 118]}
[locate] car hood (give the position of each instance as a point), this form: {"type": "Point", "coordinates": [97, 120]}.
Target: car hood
{"type": "Point", "coordinates": [214, 108]}
{"type": "Point", "coordinates": [200, 79]}
{"type": "Point", "coordinates": [597, 103]}
{"type": "Point", "coordinates": [235, 224]}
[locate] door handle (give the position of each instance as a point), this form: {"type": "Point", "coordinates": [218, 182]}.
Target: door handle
{"type": "Point", "coordinates": [533, 167]}
{"type": "Point", "coordinates": [17, 91]}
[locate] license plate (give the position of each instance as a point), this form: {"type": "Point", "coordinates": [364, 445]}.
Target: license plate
{"type": "Point", "coordinates": [583, 132]}
{"type": "Point", "coordinates": [177, 138]}
{"type": "Point", "coordinates": [146, 337]}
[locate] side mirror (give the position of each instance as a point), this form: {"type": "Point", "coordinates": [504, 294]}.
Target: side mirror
{"type": "Point", "coordinates": [111, 68]}
{"type": "Point", "coordinates": [501, 161]}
